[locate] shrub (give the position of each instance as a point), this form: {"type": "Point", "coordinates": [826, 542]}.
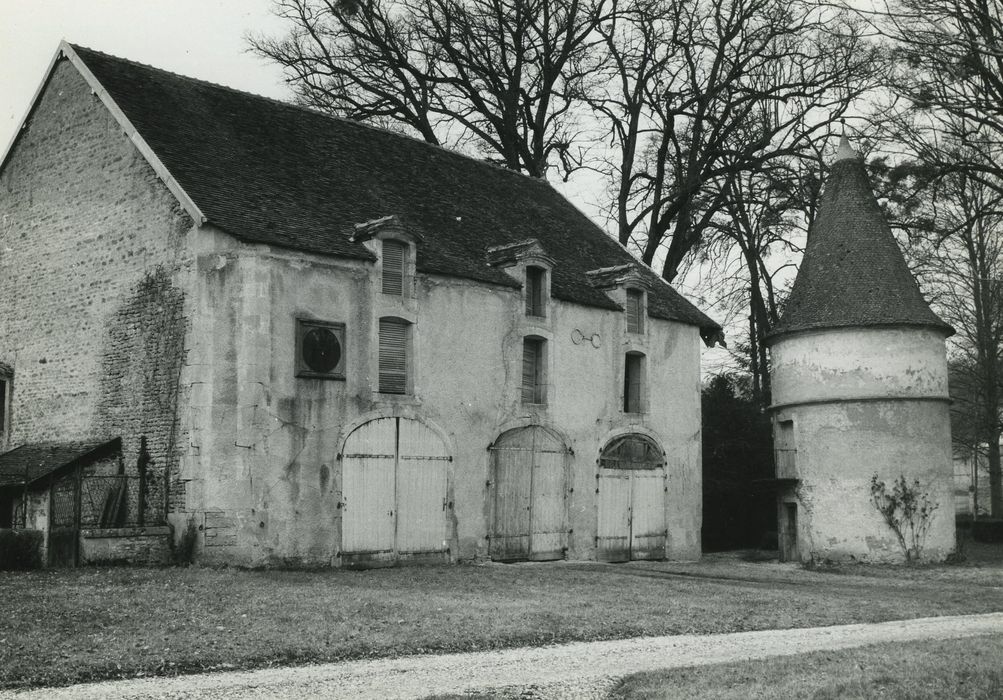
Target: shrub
{"type": "Point", "coordinates": [907, 509]}
{"type": "Point", "coordinates": [20, 549]}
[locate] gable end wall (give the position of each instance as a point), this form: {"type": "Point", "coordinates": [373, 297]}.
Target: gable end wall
{"type": "Point", "coordinates": [92, 268]}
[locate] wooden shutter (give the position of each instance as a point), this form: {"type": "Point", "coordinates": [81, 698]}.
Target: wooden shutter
{"type": "Point", "coordinates": [635, 311]}
{"type": "Point", "coordinates": [393, 356]}
{"type": "Point", "coordinates": [632, 382]}
{"type": "Point", "coordinates": [394, 257]}
{"type": "Point", "coordinates": [532, 371]}
{"type": "Point", "coordinates": [534, 291]}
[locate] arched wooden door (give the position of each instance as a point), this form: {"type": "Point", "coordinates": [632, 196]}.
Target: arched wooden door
{"type": "Point", "coordinates": [394, 502]}
{"type": "Point", "coordinates": [528, 492]}
{"type": "Point", "coordinates": [631, 500]}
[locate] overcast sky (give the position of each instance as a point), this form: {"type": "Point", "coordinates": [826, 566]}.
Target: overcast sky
{"type": "Point", "coordinates": [200, 38]}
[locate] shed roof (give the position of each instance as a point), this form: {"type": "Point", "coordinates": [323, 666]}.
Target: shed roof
{"type": "Point", "coordinates": [28, 464]}
{"type": "Point", "coordinates": [853, 273]}
{"type": "Point", "coordinates": [270, 172]}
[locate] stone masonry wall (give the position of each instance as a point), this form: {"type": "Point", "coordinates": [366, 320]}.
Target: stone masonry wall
{"type": "Point", "coordinates": [92, 313]}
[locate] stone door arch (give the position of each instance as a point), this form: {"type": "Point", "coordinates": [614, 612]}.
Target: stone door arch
{"type": "Point", "coordinates": [631, 490]}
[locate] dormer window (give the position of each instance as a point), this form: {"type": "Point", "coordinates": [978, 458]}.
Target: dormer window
{"type": "Point", "coordinates": [635, 311]}
{"type": "Point", "coordinates": [536, 282]}
{"type": "Point", "coordinates": [394, 267]}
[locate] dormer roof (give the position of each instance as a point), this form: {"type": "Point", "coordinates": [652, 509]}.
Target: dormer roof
{"type": "Point", "coordinates": [385, 225]}
{"type": "Point", "coordinates": [618, 276]}
{"type": "Point", "coordinates": [853, 273]}
{"type": "Point", "coordinates": [509, 254]}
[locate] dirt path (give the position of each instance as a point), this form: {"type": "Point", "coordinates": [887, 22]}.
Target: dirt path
{"type": "Point", "coordinates": [579, 670]}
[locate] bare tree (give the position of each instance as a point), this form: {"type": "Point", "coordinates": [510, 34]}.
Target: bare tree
{"type": "Point", "coordinates": [955, 240]}
{"type": "Point", "coordinates": [503, 77]}
{"type": "Point", "coordinates": [947, 115]}
{"type": "Point", "coordinates": [703, 91]}
{"type": "Point", "coordinates": [689, 93]}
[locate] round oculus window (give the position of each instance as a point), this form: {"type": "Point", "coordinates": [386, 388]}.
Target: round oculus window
{"type": "Point", "coordinates": [321, 350]}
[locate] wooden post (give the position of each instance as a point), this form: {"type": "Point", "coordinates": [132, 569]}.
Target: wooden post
{"type": "Point", "coordinates": [141, 464]}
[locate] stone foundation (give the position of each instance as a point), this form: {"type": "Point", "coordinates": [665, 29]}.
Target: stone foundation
{"type": "Point", "coordinates": [126, 545]}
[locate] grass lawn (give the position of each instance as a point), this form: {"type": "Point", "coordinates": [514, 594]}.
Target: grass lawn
{"type": "Point", "coordinates": [73, 625]}
{"type": "Point", "coordinates": [964, 668]}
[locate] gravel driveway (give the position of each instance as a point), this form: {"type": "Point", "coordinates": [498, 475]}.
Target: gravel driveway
{"type": "Point", "coordinates": [579, 670]}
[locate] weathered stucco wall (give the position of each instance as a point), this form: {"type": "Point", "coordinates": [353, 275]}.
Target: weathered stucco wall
{"type": "Point", "coordinates": [263, 477]}
{"type": "Point", "coordinates": [859, 363]}
{"type": "Point", "coordinates": [92, 314]}
{"type": "Point", "coordinates": [864, 402]}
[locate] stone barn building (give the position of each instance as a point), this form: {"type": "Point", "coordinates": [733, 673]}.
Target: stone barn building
{"type": "Point", "coordinates": [859, 379]}
{"type": "Point", "coordinates": [339, 345]}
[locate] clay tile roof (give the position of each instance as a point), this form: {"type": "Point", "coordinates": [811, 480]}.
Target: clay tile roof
{"type": "Point", "coordinates": [853, 273]}
{"type": "Point", "coordinates": [30, 463]}
{"type": "Point", "coordinates": [270, 172]}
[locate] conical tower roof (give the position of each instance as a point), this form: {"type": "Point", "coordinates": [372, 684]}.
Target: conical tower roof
{"type": "Point", "coordinates": [853, 273]}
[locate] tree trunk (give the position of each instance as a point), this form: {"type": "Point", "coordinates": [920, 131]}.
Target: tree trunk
{"type": "Point", "coordinates": [995, 480]}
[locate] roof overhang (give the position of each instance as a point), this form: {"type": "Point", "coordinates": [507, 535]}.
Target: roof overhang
{"type": "Point", "coordinates": [34, 465]}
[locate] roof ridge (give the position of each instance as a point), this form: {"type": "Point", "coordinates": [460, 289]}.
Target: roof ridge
{"type": "Point", "coordinates": [317, 112]}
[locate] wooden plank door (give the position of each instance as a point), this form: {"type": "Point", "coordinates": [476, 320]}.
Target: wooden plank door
{"type": "Point", "coordinates": [529, 496]}
{"type": "Point", "coordinates": [647, 514]}
{"type": "Point", "coordinates": [613, 533]}
{"type": "Point", "coordinates": [369, 488]}
{"type": "Point", "coordinates": [548, 531]}
{"type": "Point", "coordinates": [512, 485]}
{"type": "Point", "coordinates": [422, 508]}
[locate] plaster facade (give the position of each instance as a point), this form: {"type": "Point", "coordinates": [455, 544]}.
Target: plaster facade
{"type": "Point", "coordinates": [92, 317]}
{"type": "Point", "coordinates": [262, 473]}
{"type": "Point", "coordinates": [860, 402]}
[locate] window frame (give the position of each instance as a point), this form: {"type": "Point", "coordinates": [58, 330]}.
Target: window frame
{"type": "Point", "coordinates": [403, 369]}
{"type": "Point", "coordinates": [303, 370]}
{"type": "Point", "coordinates": [534, 392]}
{"type": "Point", "coordinates": [633, 382]}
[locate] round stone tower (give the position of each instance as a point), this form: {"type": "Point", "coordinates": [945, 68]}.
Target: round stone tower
{"type": "Point", "coordinates": [859, 378]}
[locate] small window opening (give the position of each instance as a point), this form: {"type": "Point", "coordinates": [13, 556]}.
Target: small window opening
{"type": "Point", "coordinates": [320, 349]}
{"type": "Point", "coordinates": [536, 278]}
{"type": "Point", "coordinates": [635, 311]}
{"type": "Point", "coordinates": [394, 266]}
{"type": "Point", "coordinates": [533, 372]}
{"type": "Point", "coordinates": [393, 359]}
{"type": "Point", "coordinates": [785, 450]}
{"type": "Point", "coordinates": [633, 377]}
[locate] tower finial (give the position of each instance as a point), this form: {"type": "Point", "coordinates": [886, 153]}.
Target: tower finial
{"type": "Point", "coordinates": [845, 150]}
